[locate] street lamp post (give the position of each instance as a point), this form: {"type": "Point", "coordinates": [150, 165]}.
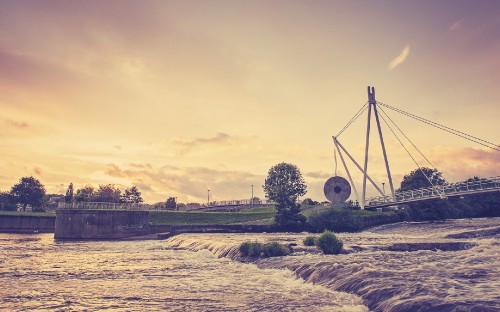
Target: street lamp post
{"type": "Point", "coordinates": [251, 198]}
{"type": "Point", "coordinates": [175, 203]}
{"type": "Point", "coordinates": [208, 198]}
{"type": "Point", "coordinates": [383, 188]}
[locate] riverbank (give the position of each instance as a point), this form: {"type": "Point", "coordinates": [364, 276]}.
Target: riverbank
{"type": "Point", "coordinates": [425, 266]}
{"type": "Point", "coordinates": [27, 222]}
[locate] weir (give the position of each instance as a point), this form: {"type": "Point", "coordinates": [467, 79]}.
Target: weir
{"type": "Point", "coordinates": [26, 224]}
{"type": "Point", "coordinates": [100, 224]}
{"type": "Point", "coordinates": [84, 224]}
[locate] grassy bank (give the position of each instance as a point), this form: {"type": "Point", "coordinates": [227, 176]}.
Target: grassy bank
{"type": "Point", "coordinates": [258, 215]}
{"type": "Point", "coordinates": [208, 218]}
{"type": "Point", "coordinates": [28, 214]}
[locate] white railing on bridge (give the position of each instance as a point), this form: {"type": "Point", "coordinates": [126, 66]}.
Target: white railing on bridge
{"type": "Point", "coordinates": [441, 191]}
{"type": "Point", "coordinates": [109, 206]}
{"type": "Point", "coordinates": [159, 206]}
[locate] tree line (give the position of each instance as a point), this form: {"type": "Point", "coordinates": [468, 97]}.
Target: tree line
{"type": "Point", "coordinates": [108, 193]}
{"type": "Point", "coordinates": [31, 193]}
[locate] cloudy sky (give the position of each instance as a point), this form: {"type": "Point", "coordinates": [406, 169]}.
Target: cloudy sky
{"type": "Point", "coordinates": [178, 97]}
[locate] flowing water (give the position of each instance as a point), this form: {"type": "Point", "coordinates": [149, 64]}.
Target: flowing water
{"type": "Point", "coordinates": [38, 274]}
{"type": "Point", "coordinates": [442, 266]}
{"type": "Point", "coordinates": [433, 266]}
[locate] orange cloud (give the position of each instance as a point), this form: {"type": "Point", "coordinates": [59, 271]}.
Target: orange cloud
{"type": "Point", "coordinates": [460, 164]}
{"type": "Point", "coordinates": [188, 183]}
{"type": "Point", "coordinates": [17, 124]}
{"type": "Point", "coordinates": [185, 146]}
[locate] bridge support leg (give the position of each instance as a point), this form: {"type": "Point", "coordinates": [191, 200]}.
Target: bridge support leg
{"type": "Point", "coordinates": [374, 103]}
{"type": "Point", "coordinates": [348, 173]}
{"type": "Point", "coordinates": [359, 167]}
{"type": "Point", "coordinates": [365, 171]}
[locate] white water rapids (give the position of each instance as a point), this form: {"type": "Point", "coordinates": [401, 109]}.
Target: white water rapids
{"type": "Point", "coordinates": [433, 266]}
{"type": "Point", "coordinates": [445, 266]}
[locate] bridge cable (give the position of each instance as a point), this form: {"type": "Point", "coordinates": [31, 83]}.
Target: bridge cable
{"type": "Point", "coordinates": [353, 119]}
{"type": "Point", "coordinates": [416, 163]}
{"type": "Point", "coordinates": [435, 124]}
{"type": "Point", "coordinates": [335, 157]}
{"type": "Point", "coordinates": [445, 128]}
{"type": "Point", "coordinates": [418, 150]}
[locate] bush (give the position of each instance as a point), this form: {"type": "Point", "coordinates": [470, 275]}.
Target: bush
{"type": "Point", "coordinates": [275, 249]}
{"type": "Point", "coordinates": [310, 241]}
{"type": "Point", "coordinates": [329, 243]}
{"type": "Point", "coordinates": [255, 249]}
{"type": "Point", "coordinates": [251, 249]}
{"type": "Point", "coordinates": [335, 220]}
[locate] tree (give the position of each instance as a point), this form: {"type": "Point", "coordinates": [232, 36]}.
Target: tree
{"type": "Point", "coordinates": [7, 202]}
{"type": "Point", "coordinates": [309, 201]}
{"type": "Point", "coordinates": [416, 179]}
{"type": "Point", "coordinates": [107, 194]}
{"type": "Point", "coordinates": [29, 191]}
{"type": "Point", "coordinates": [171, 203]}
{"type": "Point", "coordinates": [283, 185]}
{"type": "Point", "coordinates": [68, 198]}
{"type": "Point", "coordinates": [427, 210]}
{"type": "Point", "coordinates": [132, 195]}
{"type": "Point", "coordinates": [85, 194]}
{"type": "Point", "coordinates": [255, 200]}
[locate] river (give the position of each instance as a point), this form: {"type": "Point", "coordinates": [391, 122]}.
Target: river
{"type": "Point", "coordinates": [440, 266]}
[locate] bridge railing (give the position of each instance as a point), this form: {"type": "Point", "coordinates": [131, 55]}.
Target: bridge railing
{"type": "Point", "coordinates": [108, 206]}
{"type": "Point", "coordinates": [159, 206]}
{"type": "Point", "coordinates": [441, 191]}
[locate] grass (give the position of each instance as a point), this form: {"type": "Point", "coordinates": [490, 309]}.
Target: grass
{"type": "Point", "coordinates": [264, 215]}
{"type": "Point", "coordinates": [261, 215]}
{"type": "Point", "coordinates": [207, 218]}
{"type": "Point", "coordinates": [29, 214]}
{"type": "Point", "coordinates": [361, 213]}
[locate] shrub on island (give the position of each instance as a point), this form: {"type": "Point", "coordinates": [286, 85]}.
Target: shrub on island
{"type": "Point", "coordinates": [256, 249]}
{"type": "Point", "coordinates": [329, 243]}
{"type": "Point", "coordinates": [309, 241]}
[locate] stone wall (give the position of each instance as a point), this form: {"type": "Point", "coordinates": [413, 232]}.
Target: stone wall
{"type": "Point", "coordinates": [100, 224]}
{"type": "Point", "coordinates": [26, 224]}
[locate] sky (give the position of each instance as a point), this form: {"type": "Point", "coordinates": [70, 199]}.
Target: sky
{"type": "Point", "coordinates": [181, 97]}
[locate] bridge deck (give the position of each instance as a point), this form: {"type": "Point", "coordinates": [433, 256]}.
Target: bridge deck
{"type": "Point", "coordinates": [472, 187]}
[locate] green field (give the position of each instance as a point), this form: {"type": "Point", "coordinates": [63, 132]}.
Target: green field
{"type": "Point", "coordinates": [30, 214]}
{"type": "Point", "coordinates": [207, 218]}
{"type": "Point", "coordinates": [260, 215]}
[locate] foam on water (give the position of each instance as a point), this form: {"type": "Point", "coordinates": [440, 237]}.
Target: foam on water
{"type": "Point", "coordinates": [452, 266]}
{"type": "Point", "coordinates": [38, 274]}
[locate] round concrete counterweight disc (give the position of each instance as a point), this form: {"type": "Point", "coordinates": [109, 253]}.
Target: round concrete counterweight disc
{"type": "Point", "coordinates": [337, 189]}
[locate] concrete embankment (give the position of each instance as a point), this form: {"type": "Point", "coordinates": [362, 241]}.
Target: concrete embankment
{"type": "Point", "coordinates": [27, 224]}
{"type": "Point", "coordinates": [74, 224]}
{"type": "Point", "coordinates": [100, 224]}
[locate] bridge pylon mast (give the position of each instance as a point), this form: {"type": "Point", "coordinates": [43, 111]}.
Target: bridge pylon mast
{"type": "Point", "coordinates": [372, 105]}
{"type": "Point", "coordinates": [372, 101]}
{"type": "Point", "coordinates": [368, 126]}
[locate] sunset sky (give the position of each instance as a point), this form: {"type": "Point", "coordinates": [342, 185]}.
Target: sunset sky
{"type": "Point", "coordinates": [178, 97]}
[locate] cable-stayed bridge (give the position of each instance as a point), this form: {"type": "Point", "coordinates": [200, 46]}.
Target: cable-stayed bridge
{"type": "Point", "coordinates": [338, 189]}
{"type": "Point", "coordinates": [472, 187]}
